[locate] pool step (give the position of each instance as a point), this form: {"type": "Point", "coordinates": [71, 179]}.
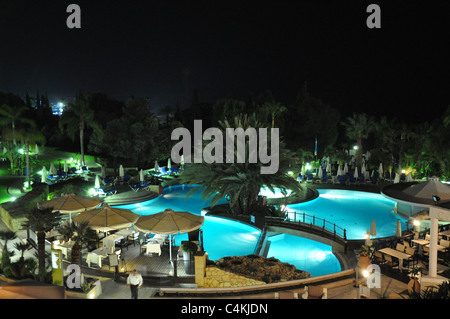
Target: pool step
{"type": "Point", "coordinates": [129, 197]}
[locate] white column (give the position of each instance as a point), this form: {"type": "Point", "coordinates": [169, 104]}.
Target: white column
{"type": "Point", "coordinates": [433, 246]}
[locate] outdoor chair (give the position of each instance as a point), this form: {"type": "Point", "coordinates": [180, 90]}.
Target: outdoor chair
{"type": "Point", "coordinates": [400, 247]}
{"type": "Point", "coordinates": [103, 193]}
{"type": "Point", "coordinates": [413, 259]}
{"type": "Point", "coordinates": [315, 292]}
{"type": "Point", "coordinates": [391, 261]}
{"type": "Point", "coordinates": [378, 258]}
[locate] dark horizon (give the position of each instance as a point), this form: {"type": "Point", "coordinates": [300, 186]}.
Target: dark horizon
{"type": "Point", "coordinates": [165, 51]}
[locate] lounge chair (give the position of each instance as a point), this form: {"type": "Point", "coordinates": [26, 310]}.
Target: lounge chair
{"type": "Point", "coordinates": [315, 292]}
{"type": "Point", "coordinates": [103, 193]}
{"type": "Point", "coordinates": [142, 185]}
{"type": "Point", "coordinates": [174, 170]}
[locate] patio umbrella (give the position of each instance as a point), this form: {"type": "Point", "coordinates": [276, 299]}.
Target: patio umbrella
{"type": "Point", "coordinates": [36, 149]}
{"type": "Point", "coordinates": [169, 223]}
{"type": "Point", "coordinates": [44, 175]}
{"type": "Point", "coordinates": [97, 182]}
{"type": "Point", "coordinates": [107, 218]}
{"type": "Point", "coordinates": [339, 171]}
{"type": "Point", "coordinates": [182, 160]}
{"type": "Point", "coordinates": [156, 166]}
{"type": "Point", "coordinates": [169, 165]}
{"type": "Point", "coordinates": [103, 172]}
{"type": "Point", "coordinates": [53, 169]}
{"type": "Point", "coordinates": [66, 169]}
{"type": "Point", "coordinates": [356, 172]}
{"type": "Point", "coordinates": [373, 228]}
{"type": "Point", "coordinates": [70, 203]}
{"type": "Point", "coordinates": [398, 229]}
{"type": "Point", "coordinates": [328, 167]}
{"type": "Point", "coordinates": [141, 175]}
{"type": "Point", "coordinates": [320, 174]}
{"type": "Point", "coordinates": [345, 168]}
{"type": "Point", "coordinates": [380, 169]}
{"type": "Point", "coordinates": [121, 172]}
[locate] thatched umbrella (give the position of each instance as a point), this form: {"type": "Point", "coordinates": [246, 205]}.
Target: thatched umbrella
{"type": "Point", "coordinates": [169, 223]}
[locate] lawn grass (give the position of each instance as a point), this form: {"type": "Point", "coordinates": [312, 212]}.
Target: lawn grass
{"type": "Point", "coordinates": [45, 158]}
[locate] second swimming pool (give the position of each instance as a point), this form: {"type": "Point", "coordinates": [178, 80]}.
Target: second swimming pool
{"type": "Point", "coordinates": [222, 237]}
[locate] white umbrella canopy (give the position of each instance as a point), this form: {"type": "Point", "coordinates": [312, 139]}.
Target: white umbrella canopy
{"type": "Point", "coordinates": [44, 175]}
{"type": "Point", "coordinates": [398, 229]}
{"type": "Point", "coordinates": [66, 169]}
{"type": "Point", "coordinates": [380, 169]}
{"type": "Point", "coordinates": [107, 218]}
{"type": "Point", "coordinates": [356, 172]}
{"type": "Point", "coordinates": [320, 174]}
{"type": "Point", "coordinates": [339, 171]}
{"type": "Point", "coordinates": [97, 182]}
{"type": "Point", "coordinates": [141, 175]}
{"type": "Point", "coordinates": [53, 169]}
{"type": "Point", "coordinates": [169, 222]}
{"type": "Point", "coordinates": [156, 166]}
{"type": "Point", "coordinates": [373, 228]}
{"type": "Point", "coordinates": [121, 172]}
{"type": "Point", "coordinates": [328, 167]}
{"type": "Point", "coordinates": [169, 165]}
{"type": "Point", "coordinates": [345, 168]}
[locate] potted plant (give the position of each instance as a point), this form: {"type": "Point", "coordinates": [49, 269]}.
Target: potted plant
{"type": "Point", "coordinates": [413, 284]}
{"type": "Point", "coordinates": [188, 248]}
{"type": "Point", "coordinates": [364, 257]}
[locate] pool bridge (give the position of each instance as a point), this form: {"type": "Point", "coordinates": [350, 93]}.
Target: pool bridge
{"type": "Point", "coordinates": [302, 222]}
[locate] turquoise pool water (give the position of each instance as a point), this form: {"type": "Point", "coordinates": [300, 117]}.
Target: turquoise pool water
{"type": "Point", "coordinates": [222, 237]}
{"type": "Point", "coordinates": [353, 211]}
{"type": "Point", "coordinates": [305, 254]}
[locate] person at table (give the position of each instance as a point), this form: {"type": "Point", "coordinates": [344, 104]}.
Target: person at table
{"type": "Point", "coordinates": [134, 281]}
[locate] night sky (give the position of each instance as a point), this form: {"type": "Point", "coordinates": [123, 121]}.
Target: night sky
{"type": "Point", "coordinates": [166, 49]}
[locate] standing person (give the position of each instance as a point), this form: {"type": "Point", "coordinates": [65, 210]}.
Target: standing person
{"type": "Point", "coordinates": [134, 281]}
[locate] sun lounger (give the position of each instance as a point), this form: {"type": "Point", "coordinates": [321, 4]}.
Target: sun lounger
{"type": "Point", "coordinates": [142, 185]}
{"type": "Point", "coordinates": [103, 193]}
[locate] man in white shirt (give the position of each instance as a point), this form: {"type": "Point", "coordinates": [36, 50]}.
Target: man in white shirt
{"type": "Point", "coordinates": [134, 281]}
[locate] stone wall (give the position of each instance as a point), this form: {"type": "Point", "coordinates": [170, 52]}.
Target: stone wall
{"type": "Point", "coordinates": [218, 278]}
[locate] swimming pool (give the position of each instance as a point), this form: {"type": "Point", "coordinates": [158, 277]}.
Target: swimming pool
{"type": "Point", "coordinates": [353, 211]}
{"type": "Point", "coordinates": [305, 254]}
{"type": "Point", "coordinates": [222, 237]}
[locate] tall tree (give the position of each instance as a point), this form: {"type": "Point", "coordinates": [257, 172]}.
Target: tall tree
{"type": "Point", "coordinates": [357, 128]}
{"type": "Point", "coordinates": [240, 182]}
{"type": "Point", "coordinates": [76, 117]}
{"type": "Point", "coordinates": [42, 221]}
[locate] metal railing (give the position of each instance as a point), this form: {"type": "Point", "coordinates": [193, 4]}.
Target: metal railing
{"type": "Point", "coordinates": [310, 223]}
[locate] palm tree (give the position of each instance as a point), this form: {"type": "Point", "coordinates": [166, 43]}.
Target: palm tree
{"type": "Point", "coordinates": [41, 221]}
{"type": "Point", "coordinates": [28, 135]}
{"type": "Point", "coordinates": [274, 109]}
{"type": "Point", "coordinates": [77, 117]}
{"type": "Point", "coordinates": [357, 128]}
{"type": "Point", "coordinates": [240, 182]}
{"type": "Point", "coordinates": [11, 115]}
{"type": "Point", "coordinates": [83, 235]}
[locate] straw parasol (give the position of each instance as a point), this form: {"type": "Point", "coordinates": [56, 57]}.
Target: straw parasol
{"type": "Point", "coordinates": [70, 203]}
{"type": "Point", "coordinates": [169, 223]}
{"type": "Point", "coordinates": [107, 218]}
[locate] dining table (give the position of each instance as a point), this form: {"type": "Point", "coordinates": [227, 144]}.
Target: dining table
{"type": "Point", "coordinates": [397, 254]}
{"type": "Point", "coordinates": [97, 255]}
{"type": "Point", "coordinates": [110, 241]}
{"type": "Point", "coordinates": [154, 244]}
